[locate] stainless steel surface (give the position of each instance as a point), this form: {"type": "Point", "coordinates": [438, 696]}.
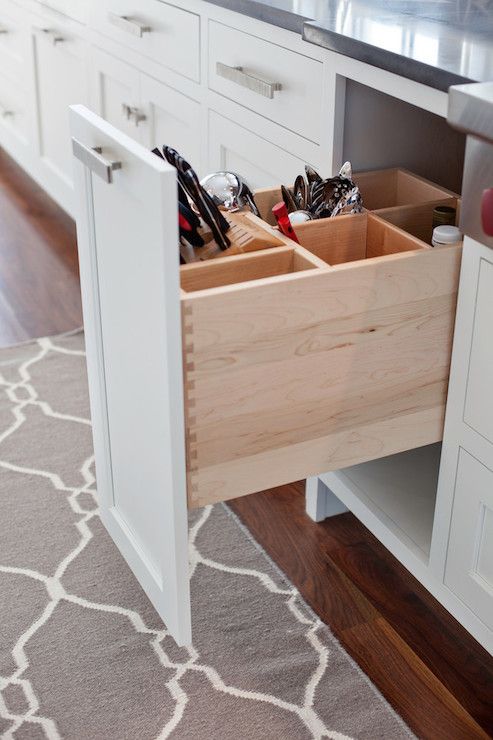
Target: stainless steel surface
{"type": "Point", "coordinates": [129, 25]}
{"type": "Point", "coordinates": [3, 29]}
{"type": "Point", "coordinates": [436, 42]}
{"type": "Point", "coordinates": [245, 79]}
{"type": "Point", "coordinates": [478, 176]}
{"type": "Point", "coordinates": [471, 111]}
{"type": "Point", "coordinates": [94, 160]}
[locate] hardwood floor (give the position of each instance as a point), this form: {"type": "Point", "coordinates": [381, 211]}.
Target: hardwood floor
{"type": "Point", "coordinates": [39, 271]}
{"type": "Point", "coordinates": [430, 669]}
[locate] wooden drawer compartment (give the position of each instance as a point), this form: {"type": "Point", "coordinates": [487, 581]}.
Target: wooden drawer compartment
{"type": "Point", "coordinates": [397, 187]}
{"type": "Point", "coordinates": [297, 105]}
{"type": "Point", "coordinates": [411, 202]}
{"type": "Point", "coordinates": [290, 375]}
{"type": "Point", "coordinates": [167, 34]}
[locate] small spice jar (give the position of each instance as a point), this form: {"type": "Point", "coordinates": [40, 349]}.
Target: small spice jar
{"type": "Point", "coordinates": [446, 235]}
{"type": "Point", "coordinates": [444, 216]}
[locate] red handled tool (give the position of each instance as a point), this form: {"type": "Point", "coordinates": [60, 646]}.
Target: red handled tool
{"type": "Point", "coordinates": [281, 215]}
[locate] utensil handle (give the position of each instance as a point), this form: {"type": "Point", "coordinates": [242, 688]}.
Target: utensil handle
{"type": "Point", "coordinates": [94, 160]}
{"type": "Point", "coordinates": [244, 79]}
{"type": "Point", "coordinates": [129, 25]}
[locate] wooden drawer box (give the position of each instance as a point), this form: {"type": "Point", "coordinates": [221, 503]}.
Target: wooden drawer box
{"type": "Point", "coordinates": [259, 66]}
{"type": "Point", "coordinates": [262, 369]}
{"type": "Point", "coordinates": [167, 34]}
{"type": "Point", "coordinates": [316, 369]}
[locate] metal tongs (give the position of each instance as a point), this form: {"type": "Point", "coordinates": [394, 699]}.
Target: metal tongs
{"type": "Point", "coordinates": [190, 184]}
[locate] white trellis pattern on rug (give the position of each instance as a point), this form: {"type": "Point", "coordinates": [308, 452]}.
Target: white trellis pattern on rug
{"type": "Point", "coordinates": [262, 664]}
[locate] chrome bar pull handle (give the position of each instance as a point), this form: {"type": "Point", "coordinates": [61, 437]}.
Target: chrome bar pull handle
{"type": "Point", "coordinates": [131, 112]}
{"type": "Point", "coordinates": [129, 25]}
{"type": "Point", "coordinates": [3, 29]}
{"type": "Point", "coordinates": [94, 160]}
{"type": "Point", "coordinates": [6, 112]}
{"type": "Point", "coordinates": [245, 79]}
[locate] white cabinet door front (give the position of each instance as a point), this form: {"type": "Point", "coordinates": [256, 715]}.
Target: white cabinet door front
{"type": "Point", "coordinates": [61, 82]}
{"type": "Point", "coordinates": [469, 569]}
{"type": "Point", "coordinates": [115, 92]}
{"type": "Point", "coordinates": [171, 118]}
{"type": "Point", "coordinates": [127, 231]}
{"type": "Point", "coordinates": [262, 164]}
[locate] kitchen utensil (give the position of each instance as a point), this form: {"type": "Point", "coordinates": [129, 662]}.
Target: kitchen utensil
{"type": "Point", "coordinates": [299, 217]}
{"type": "Point", "coordinates": [229, 190]}
{"type": "Point", "coordinates": [208, 210]}
{"type": "Point", "coordinates": [288, 199]}
{"type": "Point", "coordinates": [281, 215]}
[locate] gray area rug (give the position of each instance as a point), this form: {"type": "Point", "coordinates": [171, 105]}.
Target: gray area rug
{"type": "Point", "coordinates": [82, 652]}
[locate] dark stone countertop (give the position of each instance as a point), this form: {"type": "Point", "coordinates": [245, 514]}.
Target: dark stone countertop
{"type": "Point", "coordinates": [436, 42]}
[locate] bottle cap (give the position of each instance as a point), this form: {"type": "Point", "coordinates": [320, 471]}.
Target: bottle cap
{"type": "Point", "coordinates": [446, 235]}
{"type": "Point", "coordinates": [444, 215]}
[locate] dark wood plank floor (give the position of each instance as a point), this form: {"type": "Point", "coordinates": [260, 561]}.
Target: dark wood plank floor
{"type": "Point", "coordinates": [433, 673]}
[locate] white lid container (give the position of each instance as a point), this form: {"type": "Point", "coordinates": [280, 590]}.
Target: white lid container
{"type": "Point", "coordinates": [446, 235]}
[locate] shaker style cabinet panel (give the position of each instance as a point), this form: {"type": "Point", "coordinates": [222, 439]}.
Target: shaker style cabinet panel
{"type": "Point", "coordinates": [14, 111]}
{"type": "Point", "coordinates": [13, 42]}
{"type": "Point", "coordinates": [172, 119]}
{"type": "Point", "coordinates": [60, 64]}
{"type": "Point", "coordinates": [115, 92]}
{"type": "Point", "coordinates": [167, 34]}
{"type": "Point", "coordinates": [469, 569]}
{"type": "Point", "coordinates": [478, 407]}
{"type": "Point", "coordinates": [262, 164]}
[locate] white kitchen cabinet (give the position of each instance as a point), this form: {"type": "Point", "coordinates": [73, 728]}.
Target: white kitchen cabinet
{"type": "Point", "coordinates": [144, 108]}
{"type": "Point", "coordinates": [14, 111]}
{"type": "Point", "coordinates": [279, 84]}
{"type": "Point", "coordinates": [469, 567]}
{"type": "Point", "coordinates": [60, 64]}
{"type": "Point", "coordinates": [168, 34]}
{"type": "Point", "coordinates": [172, 119]}
{"type": "Point", "coordinates": [261, 162]}
{"type": "Point", "coordinates": [13, 42]}
{"type": "Point", "coordinates": [115, 91]}
{"type": "Point", "coordinates": [272, 389]}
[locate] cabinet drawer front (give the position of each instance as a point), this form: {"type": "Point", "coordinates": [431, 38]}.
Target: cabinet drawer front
{"type": "Point", "coordinates": [71, 8]}
{"type": "Point", "coordinates": [14, 109]}
{"type": "Point", "coordinates": [297, 375]}
{"type": "Point", "coordinates": [232, 147]}
{"type": "Point", "coordinates": [165, 33]}
{"type": "Point", "coordinates": [469, 569]}
{"type": "Point", "coordinates": [248, 70]}
{"type": "Point", "coordinates": [13, 43]}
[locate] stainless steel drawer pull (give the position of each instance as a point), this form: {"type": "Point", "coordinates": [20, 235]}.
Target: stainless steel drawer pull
{"type": "Point", "coordinates": [132, 113]}
{"type": "Point", "coordinates": [255, 84]}
{"type": "Point", "coordinates": [3, 29]}
{"type": "Point", "coordinates": [129, 25]}
{"type": "Point", "coordinates": [93, 158]}
{"type": "Point", "coordinates": [54, 36]}
{"type": "Point", "coordinates": [6, 112]}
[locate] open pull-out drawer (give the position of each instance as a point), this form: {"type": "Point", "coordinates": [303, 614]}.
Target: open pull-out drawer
{"type": "Point", "coordinates": [313, 370]}
{"type": "Point", "coordinates": [260, 369]}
